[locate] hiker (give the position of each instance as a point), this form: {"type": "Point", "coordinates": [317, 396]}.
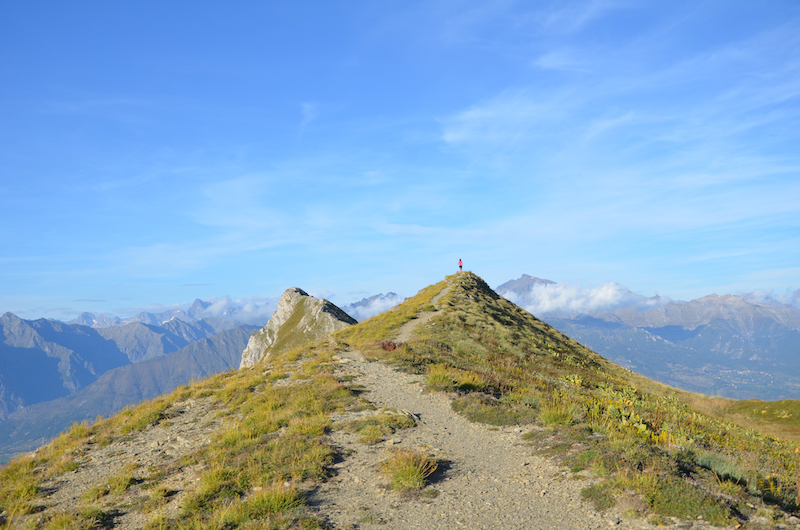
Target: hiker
{"type": "Point", "coordinates": [460, 265]}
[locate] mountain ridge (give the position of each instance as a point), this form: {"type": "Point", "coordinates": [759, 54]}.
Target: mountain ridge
{"type": "Point", "coordinates": [282, 440]}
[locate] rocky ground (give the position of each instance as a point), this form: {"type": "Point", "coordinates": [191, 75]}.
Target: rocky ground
{"type": "Point", "coordinates": [489, 477]}
{"type": "Point", "coordinates": [153, 453]}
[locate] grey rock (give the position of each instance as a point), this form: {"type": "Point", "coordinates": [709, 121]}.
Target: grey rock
{"type": "Point", "coordinates": [300, 318]}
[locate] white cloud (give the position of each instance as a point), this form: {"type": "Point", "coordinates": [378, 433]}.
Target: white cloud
{"type": "Point", "coordinates": [251, 310]}
{"type": "Point", "coordinates": [374, 305]}
{"type": "Point", "coordinates": [573, 299]}
{"type": "Point", "coordinates": [773, 299]}
{"type": "Point", "coordinates": [254, 310]}
{"type": "Point", "coordinates": [506, 118]}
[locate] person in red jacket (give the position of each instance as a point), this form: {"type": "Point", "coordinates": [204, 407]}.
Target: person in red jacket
{"type": "Point", "coordinates": [460, 265]}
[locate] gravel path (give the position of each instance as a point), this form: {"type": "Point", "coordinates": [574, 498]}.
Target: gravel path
{"type": "Point", "coordinates": [491, 479]}
{"type": "Point", "coordinates": [488, 477]}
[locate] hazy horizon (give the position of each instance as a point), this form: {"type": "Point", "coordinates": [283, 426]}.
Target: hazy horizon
{"type": "Point", "coordinates": [559, 297]}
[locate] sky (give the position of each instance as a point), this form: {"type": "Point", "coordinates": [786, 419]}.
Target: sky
{"type": "Point", "coordinates": [152, 153]}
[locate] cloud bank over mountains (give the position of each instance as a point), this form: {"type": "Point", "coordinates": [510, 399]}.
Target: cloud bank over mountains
{"type": "Point", "coordinates": [251, 310]}
{"type": "Point", "coordinates": [374, 305]}
{"type": "Point", "coordinates": [538, 296]}
{"type": "Point", "coordinates": [546, 297]}
{"type": "Point", "coordinates": [777, 300]}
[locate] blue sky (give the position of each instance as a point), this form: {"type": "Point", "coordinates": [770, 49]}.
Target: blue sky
{"type": "Point", "coordinates": [154, 153]}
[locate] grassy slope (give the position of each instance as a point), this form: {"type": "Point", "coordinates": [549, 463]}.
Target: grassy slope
{"type": "Point", "coordinates": [686, 454]}
{"type": "Point", "coordinates": [507, 367]}
{"type": "Point", "coordinates": [27, 428]}
{"type": "Point", "coordinates": [251, 475]}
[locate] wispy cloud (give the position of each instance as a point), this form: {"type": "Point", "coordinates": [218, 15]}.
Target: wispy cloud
{"type": "Point", "coordinates": [561, 60]}
{"type": "Point", "coordinates": [572, 16]}
{"type": "Point", "coordinates": [654, 144]}
{"type": "Point", "coordinates": [310, 111]}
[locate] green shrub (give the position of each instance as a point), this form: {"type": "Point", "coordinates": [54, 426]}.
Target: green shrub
{"type": "Point", "coordinates": [273, 500]}
{"type": "Point", "coordinates": [558, 412]}
{"type": "Point", "coordinates": [375, 427]}
{"type": "Point", "coordinates": [440, 377]}
{"type": "Point", "coordinates": [408, 469]}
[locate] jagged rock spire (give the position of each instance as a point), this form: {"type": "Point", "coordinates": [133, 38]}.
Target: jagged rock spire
{"type": "Point", "coordinates": [300, 318]}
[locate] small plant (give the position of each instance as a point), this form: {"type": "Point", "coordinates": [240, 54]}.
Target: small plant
{"type": "Point", "coordinates": [312, 426]}
{"type": "Point", "coordinates": [158, 497]}
{"type": "Point", "coordinates": [145, 415]}
{"type": "Point", "coordinates": [273, 500]}
{"type": "Point", "coordinates": [440, 377]}
{"type": "Point", "coordinates": [558, 412]}
{"type": "Point", "coordinates": [94, 517]}
{"type": "Point", "coordinates": [481, 408]}
{"type": "Point", "coordinates": [374, 428]}
{"type": "Point", "coordinates": [62, 521]}
{"type": "Point", "coordinates": [469, 381]}
{"type": "Point", "coordinates": [408, 470]}
{"type": "Point", "coordinates": [158, 522]}
{"type": "Point", "coordinates": [370, 434]}
{"type": "Point", "coordinates": [115, 485]}
{"type": "Point", "coordinates": [601, 495]}
{"type": "Point", "coordinates": [18, 487]}
{"type": "Point", "coordinates": [64, 464]}
{"type": "Point", "coordinates": [119, 484]}
{"type": "Point", "coordinates": [95, 492]}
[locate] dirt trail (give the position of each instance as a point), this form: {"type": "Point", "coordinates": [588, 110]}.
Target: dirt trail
{"type": "Point", "coordinates": [407, 329]}
{"type": "Point", "coordinates": [490, 480]}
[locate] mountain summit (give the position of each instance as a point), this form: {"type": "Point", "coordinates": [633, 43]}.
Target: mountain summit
{"type": "Point", "coordinates": [299, 319]}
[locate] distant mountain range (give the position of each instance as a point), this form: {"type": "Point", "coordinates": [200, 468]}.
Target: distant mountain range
{"type": "Point", "coordinates": [228, 317]}
{"type": "Point", "coordinates": [43, 359]}
{"type": "Point", "coordinates": [54, 373]}
{"type": "Point", "coordinates": [732, 346]}
{"type": "Point", "coordinates": [28, 427]}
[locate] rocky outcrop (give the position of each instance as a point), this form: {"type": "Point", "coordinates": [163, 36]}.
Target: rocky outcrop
{"type": "Point", "coordinates": [300, 318]}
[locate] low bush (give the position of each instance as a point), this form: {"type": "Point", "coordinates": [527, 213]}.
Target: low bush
{"type": "Point", "coordinates": [558, 412]}
{"type": "Point", "coordinates": [408, 469]}
{"type": "Point", "coordinates": [374, 428]}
